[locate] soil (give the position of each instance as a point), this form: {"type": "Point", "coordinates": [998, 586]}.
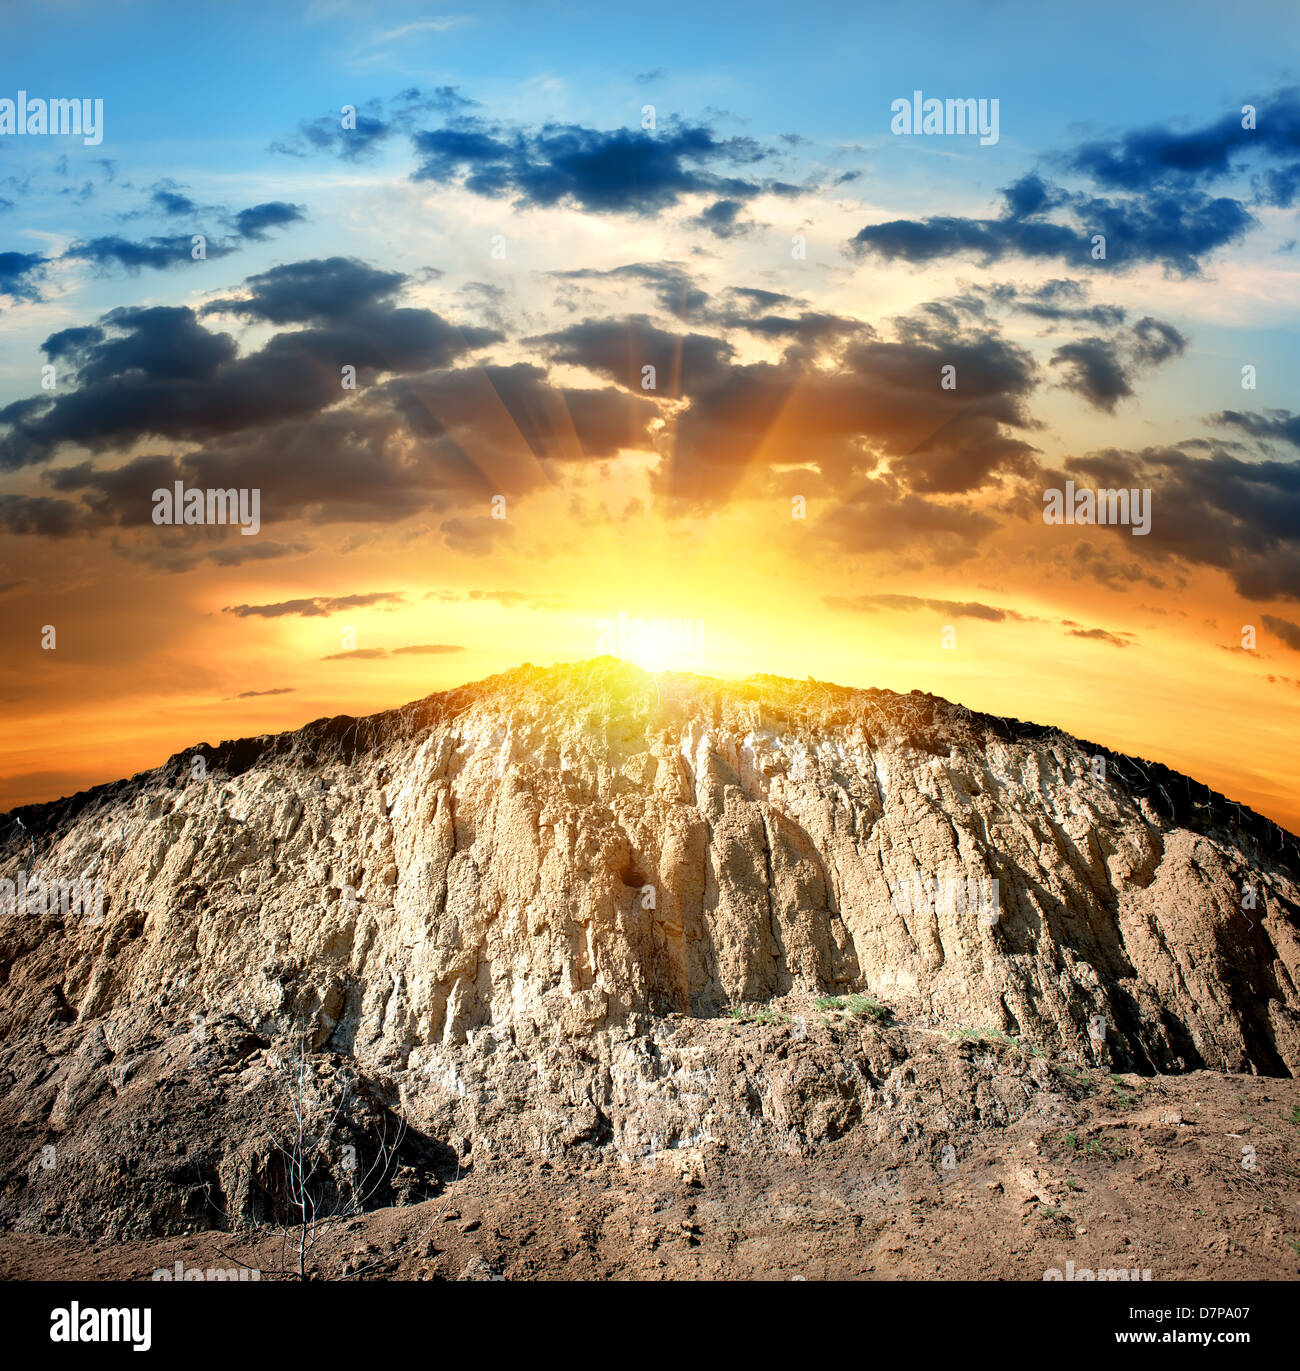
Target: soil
{"type": "Point", "coordinates": [1192, 1177]}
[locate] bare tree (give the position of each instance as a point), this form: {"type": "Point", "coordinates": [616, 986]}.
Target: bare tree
{"type": "Point", "coordinates": [317, 1175]}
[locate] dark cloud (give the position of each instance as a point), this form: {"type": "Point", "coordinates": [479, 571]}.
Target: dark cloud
{"type": "Point", "coordinates": [317, 606]}
{"type": "Point", "coordinates": [428, 649]}
{"type": "Point", "coordinates": [1284, 629]}
{"type": "Point", "coordinates": [751, 300]}
{"type": "Point", "coordinates": [1060, 301]}
{"type": "Point", "coordinates": [253, 223]}
{"type": "Point", "coordinates": [843, 411]}
{"type": "Point", "coordinates": [321, 291]}
{"type": "Point", "coordinates": [376, 121]}
{"type": "Point", "coordinates": [1176, 230]}
{"type": "Point", "coordinates": [940, 236]}
{"type": "Point", "coordinates": [1280, 186]}
{"type": "Point", "coordinates": [1164, 215]}
{"type": "Point", "coordinates": [633, 171]}
{"type": "Point", "coordinates": [1102, 369]}
{"type": "Point", "coordinates": [21, 273]}
{"type": "Point", "coordinates": [964, 454]}
{"type": "Point", "coordinates": [621, 349]}
{"type": "Point", "coordinates": [165, 252]}
{"type": "Point", "coordinates": [1161, 156]}
{"type": "Point", "coordinates": [723, 219]}
{"type": "Point", "coordinates": [257, 694]}
{"type": "Point", "coordinates": [1029, 196]}
{"type": "Point", "coordinates": [172, 202]}
{"type": "Point", "coordinates": [1215, 510]}
{"type": "Point", "coordinates": [175, 551]}
{"type": "Point", "coordinates": [497, 411]}
{"type": "Point", "coordinates": [159, 373]}
{"type": "Point", "coordinates": [438, 441]}
{"type": "Point", "coordinates": [1272, 424]}
{"type": "Point", "coordinates": [1092, 369]}
{"type": "Point", "coordinates": [158, 254]}
{"type": "Point", "coordinates": [40, 514]}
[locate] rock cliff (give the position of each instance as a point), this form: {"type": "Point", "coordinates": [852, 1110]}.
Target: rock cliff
{"type": "Point", "coordinates": [511, 900]}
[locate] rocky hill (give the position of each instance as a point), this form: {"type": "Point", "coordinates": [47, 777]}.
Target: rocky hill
{"type": "Point", "coordinates": [503, 907]}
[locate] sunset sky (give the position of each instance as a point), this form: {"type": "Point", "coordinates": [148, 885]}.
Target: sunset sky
{"type": "Point", "coordinates": [501, 247]}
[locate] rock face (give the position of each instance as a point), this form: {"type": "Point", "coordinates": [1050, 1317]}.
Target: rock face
{"type": "Point", "coordinates": [497, 896]}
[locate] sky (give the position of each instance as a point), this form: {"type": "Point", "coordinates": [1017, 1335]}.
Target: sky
{"type": "Point", "coordinates": [533, 332]}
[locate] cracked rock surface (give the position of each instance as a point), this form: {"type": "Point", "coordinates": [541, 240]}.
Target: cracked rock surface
{"type": "Point", "coordinates": [511, 902]}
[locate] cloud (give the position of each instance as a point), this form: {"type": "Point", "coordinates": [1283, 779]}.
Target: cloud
{"type": "Point", "coordinates": [1164, 214]}
{"type": "Point", "coordinates": [941, 236]}
{"type": "Point", "coordinates": [21, 273]}
{"type": "Point", "coordinates": [252, 223]}
{"type": "Point", "coordinates": [441, 23]}
{"type": "Point", "coordinates": [1284, 629]}
{"type": "Point", "coordinates": [1100, 635]}
{"type": "Point", "coordinates": [1102, 369]}
{"type": "Point", "coordinates": [172, 202]}
{"type": "Point", "coordinates": [1176, 230]}
{"type": "Point", "coordinates": [621, 349]}
{"type": "Point", "coordinates": [40, 514]}
{"type": "Point", "coordinates": [1060, 300]}
{"type": "Point", "coordinates": [371, 654]}
{"type": "Point", "coordinates": [879, 518]}
{"type": "Point", "coordinates": [1272, 424]}
{"type": "Point", "coordinates": [474, 535]}
{"type": "Point", "coordinates": [322, 291]}
{"type": "Point", "coordinates": [374, 123]}
{"type": "Point", "coordinates": [257, 694]}
{"type": "Point", "coordinates": [1161, 156]}
{"type": "Point", "coordinates": [1209, 507]}
{"type": "Point", "coordinates": [671, 285]}
{"type": "Point", "coordinates": [723, 219]}
{"type": "Point", "coordinates": [317, 606]}
{"type": "Point", "coordinates": [157, 372]}
{"type": "Point", "coordinates": [841, 408]}
{"type": "Point", "coordinates": [164, 252]}
{"type": "Point", "coordinates": [953, 609]}
{"type": "Point", "coordinates": [633, 171]}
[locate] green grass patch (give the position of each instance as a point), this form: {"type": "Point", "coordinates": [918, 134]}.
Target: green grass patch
{"type": "Point", "coordinates": [864, 1007]}
{"type": "Point", "coordinates": [748, 1014]}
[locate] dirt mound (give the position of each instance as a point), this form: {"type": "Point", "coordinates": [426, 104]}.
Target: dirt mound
{"type": "Point", "coordinates": [516, 912]}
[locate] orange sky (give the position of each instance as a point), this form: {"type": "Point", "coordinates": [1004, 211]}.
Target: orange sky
{"type": "Point", "coordinates": [655, 345]}
{"type": "Point", "coordinates": [147, 664]}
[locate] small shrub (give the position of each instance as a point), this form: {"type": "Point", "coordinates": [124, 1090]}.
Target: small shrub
{"type": "Point", "coordinates": [864, 1007]}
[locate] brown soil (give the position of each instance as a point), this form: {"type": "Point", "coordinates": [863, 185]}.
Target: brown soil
{"type": "Point", "coordinates": [1148, 1173]}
